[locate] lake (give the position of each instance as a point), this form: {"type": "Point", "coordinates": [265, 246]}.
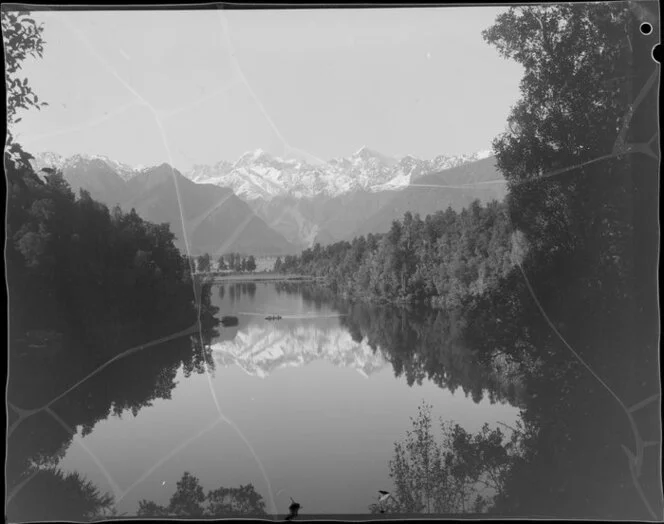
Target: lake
{"type": "Point", "coordinates": [310, 406]}
{"type": "Point", "coordinates": [307, 411]}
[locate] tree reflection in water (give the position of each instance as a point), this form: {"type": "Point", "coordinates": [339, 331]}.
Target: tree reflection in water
{"type": "Point", "coordinates": [189, 500]}
{"type": "Point", "coordinates": [237, 290]}
{"type": "Point", "coordinates": [37, 489]}
{"type": "Point", "coordinates": [571, 459]}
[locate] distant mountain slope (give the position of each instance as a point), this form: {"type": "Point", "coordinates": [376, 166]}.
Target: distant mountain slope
{"type": "Point", "coordinates": [322, 219]}
{"type": "Point", "coordinates": [214, 219]}
{"type": "Point", "coordinates": [293, 204]}
{"type": "Point", "coordinates": [456, 187]}
{"type": "Point", "coordinates": [94, 174]}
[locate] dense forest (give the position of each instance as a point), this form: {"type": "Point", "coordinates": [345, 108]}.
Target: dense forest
{"type": "Point", "coordinates": [576, 310]}
{"type": "Point", "coordinates": [230, 262]}
{"type": "Point", "coordinates": [440, 261]}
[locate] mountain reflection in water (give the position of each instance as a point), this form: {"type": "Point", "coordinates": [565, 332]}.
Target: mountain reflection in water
{"type": "Point", "coordinates": [317, 402]}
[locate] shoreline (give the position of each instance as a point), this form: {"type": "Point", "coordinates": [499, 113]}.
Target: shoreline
{"type": "Point", "coordinates": [257, 277]}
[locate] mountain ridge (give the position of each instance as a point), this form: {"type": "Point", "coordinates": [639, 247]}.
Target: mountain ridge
{"type": "Point", "coordinates": [302, 204]}
{"type": "Point", "coordinates": [205, 218]}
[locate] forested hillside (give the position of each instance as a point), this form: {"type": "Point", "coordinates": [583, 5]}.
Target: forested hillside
{"type": "Point", "coordinates": [440, 260]}
{"type": "Point", "coordinates": [73, 264]}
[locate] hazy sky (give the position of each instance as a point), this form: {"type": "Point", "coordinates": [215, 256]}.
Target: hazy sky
{"type": "Point", "coordinates": [189, 87]}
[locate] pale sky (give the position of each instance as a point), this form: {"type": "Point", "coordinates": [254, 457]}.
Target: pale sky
{"type": "Point", "coordinates": [186, 87]}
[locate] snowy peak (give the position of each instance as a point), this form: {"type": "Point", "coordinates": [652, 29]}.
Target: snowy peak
{"type": "Point", "coordinates": [259, 175]}
{"type": "Point", "coordinates": [369, 155]}
{"type": "Point", "coordinates": [257, 156]}
{"type": "Point", "coordinates": [54, 160]}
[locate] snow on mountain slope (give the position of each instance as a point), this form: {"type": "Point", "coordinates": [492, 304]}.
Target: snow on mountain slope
{"type": "Point", "coordinates": [262, 349]}
{"type": "Point", "coordinates": [60, 162]}
{"type": "Point", "coordinates": [258, 175]}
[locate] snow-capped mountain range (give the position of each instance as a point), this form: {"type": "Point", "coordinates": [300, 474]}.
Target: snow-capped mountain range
{"type": "Point", "coordinates": [262, 349]}
{"type": "Point", "coordinates": [300, 202]}
{"type": "Point", "coordinates": [57, 161]}
{"type": "Point", "coordinates": [258, 175]}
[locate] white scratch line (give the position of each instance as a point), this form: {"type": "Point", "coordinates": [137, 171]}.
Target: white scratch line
{"type": "Point", "coordinates": [116, 489]}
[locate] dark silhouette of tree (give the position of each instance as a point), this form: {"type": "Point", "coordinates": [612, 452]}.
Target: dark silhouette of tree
{"type": "Point", "coordinates": [189, 498]}
{"type": "Point", "coordinates": [54, 495]}
{"type": "Point", "coordinates": [204, 263]}
{"type": "Point", "coordinates": [236, 502]}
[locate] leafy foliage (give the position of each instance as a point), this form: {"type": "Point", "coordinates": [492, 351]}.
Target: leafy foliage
{"type": "Point", "coordinates": [22, 37]}
{"type": "Point", "coordinates": [71, 262]}
{"type": "Point", "coordinates": [562, 123]}
{"type": "Point", "coordinates": [460, 473]}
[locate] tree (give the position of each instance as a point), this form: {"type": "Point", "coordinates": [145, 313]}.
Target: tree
{"type": "Point", "coordinates": [61, 497]}
{"type": "Point", "coordinates": [222, 264]}
{"type": "Point", "coordinates": [204, 263]}
{"type": "Point", "coordinates": [222, 502]}
{"type": "Point", "coordinates": [235, 502]}
{"type": "Point", "coordinates": [277, 265]}
{"type": "Point", "coordinates": [188, 497]}
{"type": "Point", "coordinates": [251, 263]}
{"type": "Point", "coordinates": [147, 508]}
{"type": "Point", "coordinates": [559, 123]}
{"type": "Point", "coordinates": [451, 475]}
{"type": "Point", "coordinates": [236, 262]}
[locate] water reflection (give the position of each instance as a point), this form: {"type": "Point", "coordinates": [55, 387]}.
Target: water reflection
{"type": "Point", "coordinates": [420, 344]}
{"type": "Point", "coordinates": [262, 347]}
{"type": "Point", "coordinates": [190, 500]}
{"type": "Point", "coordinates": [237, 290]}
{"type": "Point", "coordinates": [37, 442]}
{"type": "Point", "coordinates": [562, 457]}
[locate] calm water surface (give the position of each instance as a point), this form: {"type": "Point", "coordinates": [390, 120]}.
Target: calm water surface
{"type": "Point", "coordinates": [303, 406]}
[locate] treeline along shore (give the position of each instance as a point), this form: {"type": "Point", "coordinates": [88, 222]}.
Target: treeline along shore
{"type": "Point", "coordinates": [259, 277]}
